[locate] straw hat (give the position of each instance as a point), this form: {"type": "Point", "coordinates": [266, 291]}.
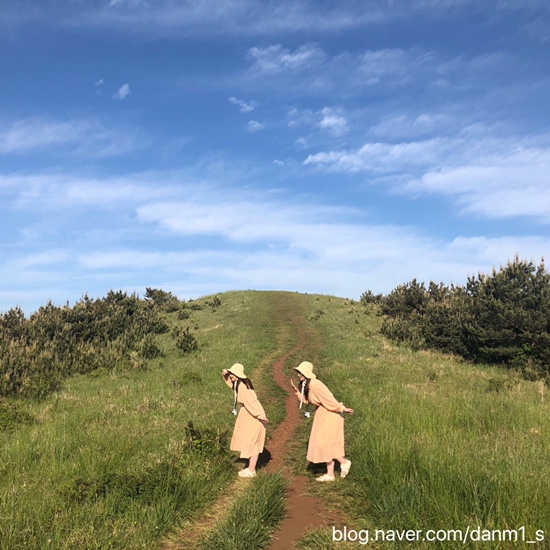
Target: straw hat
{"type": "Point", "coordinates": [238, 370]}
{"type": "Point", "coordinates": [306, 369]}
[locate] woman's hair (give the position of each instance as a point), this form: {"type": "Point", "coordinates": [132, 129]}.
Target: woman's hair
{"type": "Point", "coordinates": [246, 381]}
{"type": "Point", "coordinates": [304, 386]}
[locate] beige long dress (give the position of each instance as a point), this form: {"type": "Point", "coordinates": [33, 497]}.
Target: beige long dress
{"type": "Point", "coordinates": [249, 433]}
{"type": "Point", "coordinates": [326, 441]}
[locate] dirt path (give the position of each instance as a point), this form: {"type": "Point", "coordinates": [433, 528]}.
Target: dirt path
{"type": "Point", "coordinates": [304, 512]}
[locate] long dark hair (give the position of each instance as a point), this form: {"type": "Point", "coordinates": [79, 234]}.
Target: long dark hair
{"type": "Point", "coordinates": [305, 385]}
{"type": "Point", "coordinates": [246, 381]}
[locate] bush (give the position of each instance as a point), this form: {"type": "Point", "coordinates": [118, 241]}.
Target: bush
{"type": "Point", "coordinates": [502, 318]}
{"type": "Point", "coordinates": [36, 354]}
{"type": "Point", "coordinates": [11, 417]}
{"type": "Point", "coordinates": [185, 341]}
{"type": "Point", "coordinates": [205, 441]}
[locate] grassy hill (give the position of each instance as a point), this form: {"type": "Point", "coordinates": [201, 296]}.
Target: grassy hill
{"type": "Point", "coordinates": [128, 457]}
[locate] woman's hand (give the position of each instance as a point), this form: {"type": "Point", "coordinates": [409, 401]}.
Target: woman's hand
{"type": "Point", "coordinates": [297, 391]}
{"type": "Point", "coordinates": [348, 410]}
{"type": "Point", "coordinates": [263, 420]}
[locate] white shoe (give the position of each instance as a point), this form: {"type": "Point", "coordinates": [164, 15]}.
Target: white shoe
{"type": "Point", "coordinates": [247, 473]}
{"type": "Point", "coordinates": [344, 469]}
{"type": "Point", "coordinates": [325, 478]}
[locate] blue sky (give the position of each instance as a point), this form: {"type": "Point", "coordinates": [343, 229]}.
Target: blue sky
{"type": "Point", "coordinates": [321, 147]}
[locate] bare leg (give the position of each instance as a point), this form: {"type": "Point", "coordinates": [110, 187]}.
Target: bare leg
{"type": "Point", "coordinates": [330, 468]}
{"type": "Point", "coordinates": [252, 461]}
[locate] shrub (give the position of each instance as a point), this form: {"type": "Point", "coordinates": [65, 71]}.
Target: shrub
{"type": "Point", "coordinates": [11, 417]}
{"type": "Point", "coordinates": [502, 318]}
{"type": "Point", "coordinates": [185, 341]}
{"type": "Point", "coordinates": [148, 348]}
{"type": "Point", "coordinates": [36, 354]}
{"type": "Point", "coordinates": [205, 441]}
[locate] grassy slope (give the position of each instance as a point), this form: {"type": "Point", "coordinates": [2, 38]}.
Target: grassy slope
{"type": "Point", "coordinates": [435, 443]}
{"type": "Point", "coordinates": [104, 465]}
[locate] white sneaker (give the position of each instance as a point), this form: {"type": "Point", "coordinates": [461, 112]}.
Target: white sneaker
{"type": "Point", "coordinates": [247, 473]}
{"type": "Point", "coordinates": [325, 478]}
{"type": "Point", "coordinates": [344, 469]}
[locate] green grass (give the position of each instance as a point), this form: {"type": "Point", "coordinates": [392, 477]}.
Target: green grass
{"type": "Point", "coordinates": [252, 517]}
{"type": "Point", "coordinates": [436, 443]}
{"type": "Point", "coordinates": [111, 462]}
{"type": "Point", "coordinates": [104, 464]}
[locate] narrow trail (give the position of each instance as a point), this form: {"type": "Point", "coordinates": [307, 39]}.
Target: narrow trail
{"type": "Point", "coordinates": [304, 512]}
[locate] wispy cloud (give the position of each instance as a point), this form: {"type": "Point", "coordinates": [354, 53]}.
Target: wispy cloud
{"type": "Point", "coordinates": [410, 127]}
{"type": "Point", "coordinates": [243, 105]}
{"type": "Point", "coordinates": [205, 238]}
{"type": "Point", "coordinates": [497, 186]}
{"type": "Point", "coordinates": [55, 191]}
{"type": "Point", "coordinates": [80, 136]}
{"type": "Point", "coordinates": [245, 16]}
{"type": "Point", "coordinates": [333, 121]}
{"type": "Point", "coordinates": [489, 176]}
{"type": "Point", "coordinates": [254, 126]}
{"type": "Point", "coordinates": [382, 158]}
{"type": "Point", "coordinates": [275, 59]}
{"type": "Point", "coordinates": [123, 92]}
{"type": "Point", "coordinates": [24, 135]}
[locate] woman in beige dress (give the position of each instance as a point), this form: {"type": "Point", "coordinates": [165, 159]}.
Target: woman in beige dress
{"type": "Point", "coordinates": [249, 433]}
{"type": "Point", "coordinates": [326, 442]}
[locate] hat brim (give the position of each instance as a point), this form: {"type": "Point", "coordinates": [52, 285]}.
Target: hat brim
{"type": "Point", "coordinates": [311, 376]}
{"type": "Point", "coordinates": [241, 376]}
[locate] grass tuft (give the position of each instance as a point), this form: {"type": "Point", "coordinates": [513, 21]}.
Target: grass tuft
{"type": "Point", "coordinates": [252, 517]}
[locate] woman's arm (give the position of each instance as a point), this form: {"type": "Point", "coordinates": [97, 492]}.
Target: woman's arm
{"type": "Point", "coordinates": [251, 403]}
{"type": "Point", "coordinates": [328, 401]}
{"type": "Point", "coordinates": [225, 374]}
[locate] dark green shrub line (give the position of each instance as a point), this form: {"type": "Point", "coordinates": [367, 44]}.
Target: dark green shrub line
{"type": "Point", "coordinates": [38, 353]}
{"type": "Point", "coordinates": [502, 318]}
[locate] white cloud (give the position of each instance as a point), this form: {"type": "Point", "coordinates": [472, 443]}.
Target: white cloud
{"type": "Point", "coordinates": [254, 126]}
{"type": "Point", "coordinates": [244, 106]}
{"type": "Point", "coordinates": [80, 136]}
{"type": "Point", "coordinates": [41, 259]}
{"type": "Point", "coordinates": [382, 158]}
{"type": "Point", "coordinates": [27, 134]}
{"type": "Point", "coordinates": [212, 17]}
{"type": "Point", "coordinates": [407, 127]}
{"type": "Point", "coordinates": [497, 186]}
{"type": "Point", "coordinates": [377, 64]}
{"type": "Point", "coordinates": [275, 59]}
{"type": "Point", "coordinates": [333, 121]}
{"type": "Point", "coordinates": [122, 92]}
{"type": "Point", "coordinates": [489, 176]}
{"type": "Point", "coordinates": [254, 240]}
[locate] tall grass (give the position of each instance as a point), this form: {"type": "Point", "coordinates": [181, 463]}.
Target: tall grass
{"type": "Point", "coordinates": [252, 517]}
{"type": "Point", "coordinates": [109, 461]}
{"type": "Point", "coordinates": [436, 443]}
